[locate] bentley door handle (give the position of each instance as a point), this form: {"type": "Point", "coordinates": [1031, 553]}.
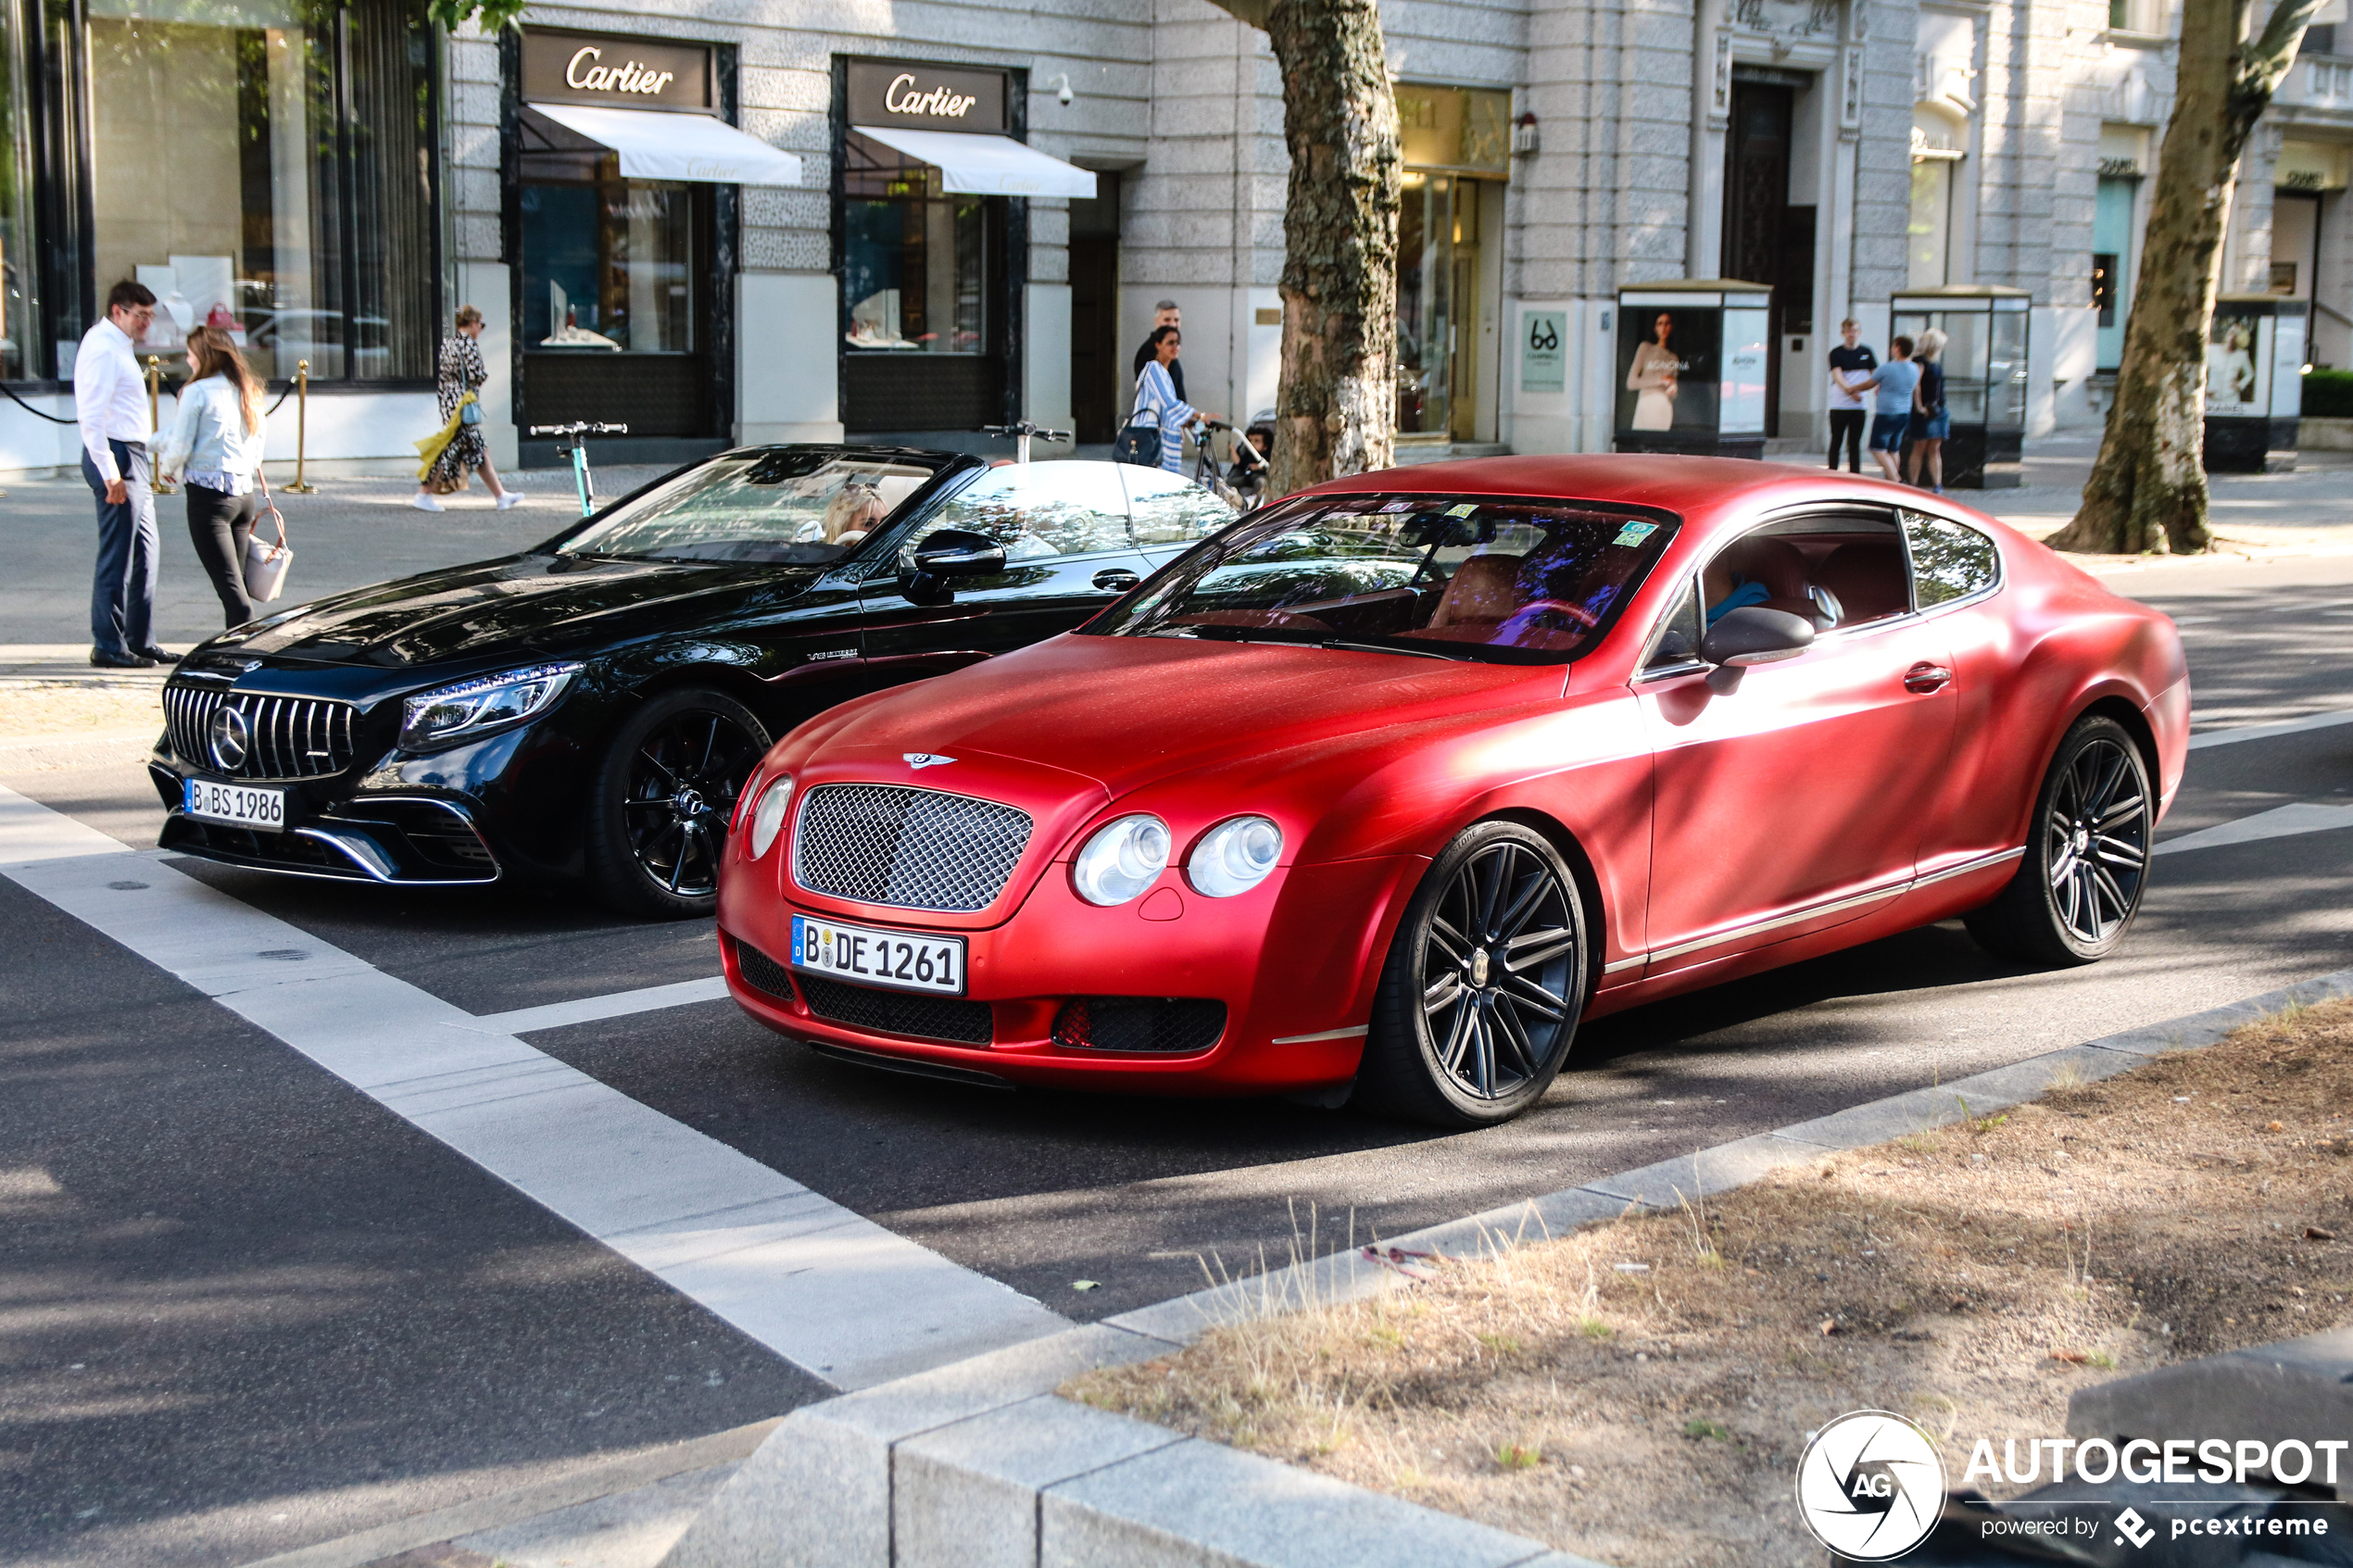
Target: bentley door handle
{"type": "Point", "coordinates": [1923, 679]}
{"type": "Point", "coordinates": [1116, 580]}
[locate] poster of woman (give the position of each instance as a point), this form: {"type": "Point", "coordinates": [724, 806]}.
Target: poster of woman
{"type": "Point", "coordinates": [2236, 344]}
{"type": "Point", "coordinates": [1667, 369]}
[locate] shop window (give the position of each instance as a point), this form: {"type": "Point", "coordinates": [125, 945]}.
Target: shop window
{"type": "Point", "coordinates": [1928, 232]}
{"type": "Point", "coordinates": [914, 258]}
{"type": "Point", "coordinates": [264, 167]}
{"type": "Point", "coordinates": [19, 266]}
{"type": "Point", "coordinates": [2104, 286]}
{"type": "Point", "coordinates": [2111, 266]}
{"type": "Point", "coordinates": [609, 265]}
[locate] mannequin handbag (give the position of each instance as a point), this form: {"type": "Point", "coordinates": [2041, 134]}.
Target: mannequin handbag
{"type": "Point", "coordinates": [266, 563]}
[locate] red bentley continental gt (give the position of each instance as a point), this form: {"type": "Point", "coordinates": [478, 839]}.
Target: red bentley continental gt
{"type": "Point", "coordinates": [1389, 784]}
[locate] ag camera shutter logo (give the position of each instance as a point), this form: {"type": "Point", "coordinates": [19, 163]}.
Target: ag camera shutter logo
{"type": "Point", "coordinates": [1870, 1485]}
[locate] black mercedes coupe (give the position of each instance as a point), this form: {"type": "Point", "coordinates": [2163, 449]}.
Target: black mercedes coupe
{"type": "Point", "coordinates": [587, 711]}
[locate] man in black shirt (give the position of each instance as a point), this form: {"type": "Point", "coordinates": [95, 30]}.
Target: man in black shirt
{"type": "Point", "coordinates": [1851, 367]}
{"type": "Point", "coordinates": [1164, 314]}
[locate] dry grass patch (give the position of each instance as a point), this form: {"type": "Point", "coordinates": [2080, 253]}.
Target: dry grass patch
{"type": "Point", "coordinates": [1640, 1391]}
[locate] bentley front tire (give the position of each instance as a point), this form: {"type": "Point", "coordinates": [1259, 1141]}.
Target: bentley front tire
{"type": "Point", "coordinates": [1483, 985]}
{"type": "Point", "coordinates": [664, 793]}
{"type": "Point", "coordinates": [2087, 854]}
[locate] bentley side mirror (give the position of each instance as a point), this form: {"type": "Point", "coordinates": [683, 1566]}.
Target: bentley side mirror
{"type": "Point", "coordinates": [946, 555]}
{"type": "Point", "coordinates": [1751, 635]}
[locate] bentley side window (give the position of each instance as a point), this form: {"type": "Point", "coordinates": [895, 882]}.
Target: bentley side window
{"type": "Point", "coordinates": [1836, 571]}
{"type": "Point", "coordinates": [1678, 636]}
{"type": "Point", "coordinates": [1170, 509]}
{"type": "Point", "coordinates": [1949, 560]}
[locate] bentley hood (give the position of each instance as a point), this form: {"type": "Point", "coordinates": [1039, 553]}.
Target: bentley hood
{"type": "Point", "coordinates": [1129, 711]}
{"type": "Point", "coordinates": [525, 605]}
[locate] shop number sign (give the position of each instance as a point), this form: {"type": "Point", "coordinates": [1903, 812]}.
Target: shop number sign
{"type": "Point", "coordinates": [1543, 350]}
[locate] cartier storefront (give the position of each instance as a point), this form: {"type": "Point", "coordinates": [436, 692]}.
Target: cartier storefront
{"type": "Point", "coordinates": [622, 212]}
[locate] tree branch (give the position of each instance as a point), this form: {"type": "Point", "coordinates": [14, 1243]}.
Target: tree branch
{"type": "Point", "coordinates": [2264, 62]}
{"type": "Point", "coordinates": [1254, 12]}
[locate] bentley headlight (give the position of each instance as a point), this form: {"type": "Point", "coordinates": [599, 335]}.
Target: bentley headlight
{"type": "Point", "coordinates": [768, 817]}
{"type": "Point", "coordinates": [1122, 860]}
{"type": "Point", "coordinates": [479, 706]}
{"type": "Point", "coordinates": [1234, 857]}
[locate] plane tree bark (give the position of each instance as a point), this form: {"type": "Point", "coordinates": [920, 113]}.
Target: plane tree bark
{"type": "Point", "coordinates": [2148, 490]}
{"type": "Point", "coordinates": [1336, 403]}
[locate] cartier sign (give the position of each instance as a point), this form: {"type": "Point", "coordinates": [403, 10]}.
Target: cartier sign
{"type": "Point", "coordinates": [577, 68]}
{"type": "Point", "coordinates": [925, 97]}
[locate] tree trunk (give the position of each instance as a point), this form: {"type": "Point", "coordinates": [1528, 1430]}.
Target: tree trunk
{"type": "Point", "coordinates": [1336, 403]}
{"type": "Point", "coordinates": [2148, 490]}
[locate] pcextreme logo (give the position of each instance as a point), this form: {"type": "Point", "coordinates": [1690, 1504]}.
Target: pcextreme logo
{"type": "Point", "coordinates": [1870, 1485]}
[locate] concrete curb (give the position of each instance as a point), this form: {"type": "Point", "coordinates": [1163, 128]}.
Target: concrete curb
{"type": "Point", "coordinates": [977, 1463]}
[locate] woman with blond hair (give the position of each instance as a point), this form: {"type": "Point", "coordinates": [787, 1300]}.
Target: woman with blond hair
{"type": "Point", "coordinates": [1931, 420]}
{"type": "Point", "coordinates": [461, 371]}
{"type": "Point", "coordinates": [214, 451]}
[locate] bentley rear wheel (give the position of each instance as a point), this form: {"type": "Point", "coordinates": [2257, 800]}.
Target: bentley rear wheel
{"type": "Point", "coordinates": [664, 795]}
{"type": "Point", "coordinates": [2087, 854]}
{"type": "Point", "coordinates": [1483, 985]}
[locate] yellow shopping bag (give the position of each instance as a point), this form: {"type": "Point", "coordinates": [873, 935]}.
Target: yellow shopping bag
{"type": "Point", "coordinates": [429, 450]}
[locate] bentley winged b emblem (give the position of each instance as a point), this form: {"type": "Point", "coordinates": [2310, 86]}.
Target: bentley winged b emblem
{"type": "Point", "coordinates": [919, 760]}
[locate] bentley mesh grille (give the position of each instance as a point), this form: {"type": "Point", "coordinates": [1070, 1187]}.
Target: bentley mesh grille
{"type": "Point", "coordinates": [897, 1012]}
{"type": "Point", "coordinates": [284, 737]}
{"type": "Point", "coordinates": [910, 849]}
{"type": "Point", "coordinates": [763, 972]}
{"type": "Point", "coordinates": [1170, 1025]}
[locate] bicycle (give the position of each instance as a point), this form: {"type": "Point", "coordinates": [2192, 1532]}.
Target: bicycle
{"type": "Point", "coordinates": [1241, 486]}
{"type": "Point", "coordinates": [1021, 434]}
{"type": "Point", "coordinates": [578, 433]}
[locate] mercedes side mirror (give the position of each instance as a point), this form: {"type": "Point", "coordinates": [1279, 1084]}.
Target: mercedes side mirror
{"type": "Point", "coordinates": [1751, 635]}
{"type": "Point", "coordinates": [957, 552]}
{"type": "Point", "coordinates": [949, 554]}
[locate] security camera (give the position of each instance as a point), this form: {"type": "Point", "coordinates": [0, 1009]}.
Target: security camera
{"type": "Point", "coordinates": [1062, 95]}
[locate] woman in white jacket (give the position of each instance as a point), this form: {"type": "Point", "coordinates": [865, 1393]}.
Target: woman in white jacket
{"type": "Point", "coordinates": [214, 452]}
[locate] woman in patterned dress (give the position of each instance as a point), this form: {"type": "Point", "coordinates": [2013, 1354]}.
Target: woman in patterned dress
{"type": "Point", "coordinates": [461, 371]}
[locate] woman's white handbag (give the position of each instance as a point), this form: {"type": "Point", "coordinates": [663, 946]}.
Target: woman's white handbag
{"type": "Point", "coordinates": [266, 563]}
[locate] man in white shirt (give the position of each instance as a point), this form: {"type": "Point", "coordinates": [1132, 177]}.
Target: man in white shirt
{"type": "Point", "coordinates": [110, 400]}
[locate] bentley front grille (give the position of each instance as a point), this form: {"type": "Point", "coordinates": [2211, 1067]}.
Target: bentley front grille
{"type": "Point", "coordinates": [264, 737]}
{"type": "Point", "coordinates": [910, 849]}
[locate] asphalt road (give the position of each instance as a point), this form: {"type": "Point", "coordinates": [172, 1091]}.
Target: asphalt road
{"type": "Point", "coordinates": [243, 1307]}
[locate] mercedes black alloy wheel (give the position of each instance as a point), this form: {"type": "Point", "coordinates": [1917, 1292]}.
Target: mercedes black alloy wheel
{"type": "Point", "coordinates": [665, 795]}
{"type": "Point", "coordinates": [2087, 854]}
{"type": "Point", "coordinates": [1484, 983]}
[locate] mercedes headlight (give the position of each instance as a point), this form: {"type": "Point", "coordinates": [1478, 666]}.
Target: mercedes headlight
{"type": "Point", "coordinates": [1234, 857]}
{"type": "Point", "coordinates": [479, 706]}
{"type": "Point", "coordinates": [768, 817]}
{"type": "Point", "coordinates": [1122, 860]}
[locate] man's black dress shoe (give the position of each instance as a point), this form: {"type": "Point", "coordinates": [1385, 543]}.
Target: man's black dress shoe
{"type": "Point", "coordinates": [105, 660]}
{"type": "Point", "coordinates": [154, 655]}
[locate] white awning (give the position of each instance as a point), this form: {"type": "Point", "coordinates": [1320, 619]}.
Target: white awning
{"type": "Point", "coordinates": [986, 165]}
{"type": "Point", "coordinates": [655, 146]}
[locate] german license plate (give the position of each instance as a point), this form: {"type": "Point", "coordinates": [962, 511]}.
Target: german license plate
{"type": "Point", "coordinates": [261, 810]}
{"type": "Point", "coordinates": [896, 960]}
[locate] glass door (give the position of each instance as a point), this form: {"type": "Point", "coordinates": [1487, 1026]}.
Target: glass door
{"type": "Point", "coordinates": [1437, 305]}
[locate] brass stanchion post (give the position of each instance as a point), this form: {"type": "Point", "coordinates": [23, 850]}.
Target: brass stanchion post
{"type": "Point", "coordinates": [155, 386]}
{"type": "Point", "coordinates": [302, 427]}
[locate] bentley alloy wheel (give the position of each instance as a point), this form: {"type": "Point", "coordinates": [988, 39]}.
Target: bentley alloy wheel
{"type": "Point", "coordinates": [2087, 854]}
{"type": "Point", "coordinates": [1483, 985]}
{"type": "Point", "coordinates": [664, 796]}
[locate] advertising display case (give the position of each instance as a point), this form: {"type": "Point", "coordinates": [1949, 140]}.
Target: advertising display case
{"type": "Point", "coordinates": [1690, 367]}
{"type": "Point", "coordinates": [1986, 333]}
{"type": "Point", "coordinates": [2254, 382]}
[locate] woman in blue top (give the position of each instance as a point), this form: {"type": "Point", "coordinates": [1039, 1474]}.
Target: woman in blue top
{"type": "Point", "coordinates": [1156, 393]}
{"type": "Point", "coordinates": [215, 451]}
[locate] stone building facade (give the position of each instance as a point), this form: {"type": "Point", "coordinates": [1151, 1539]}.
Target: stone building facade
{"type": "Point", "coordinates": [1557, 151]}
